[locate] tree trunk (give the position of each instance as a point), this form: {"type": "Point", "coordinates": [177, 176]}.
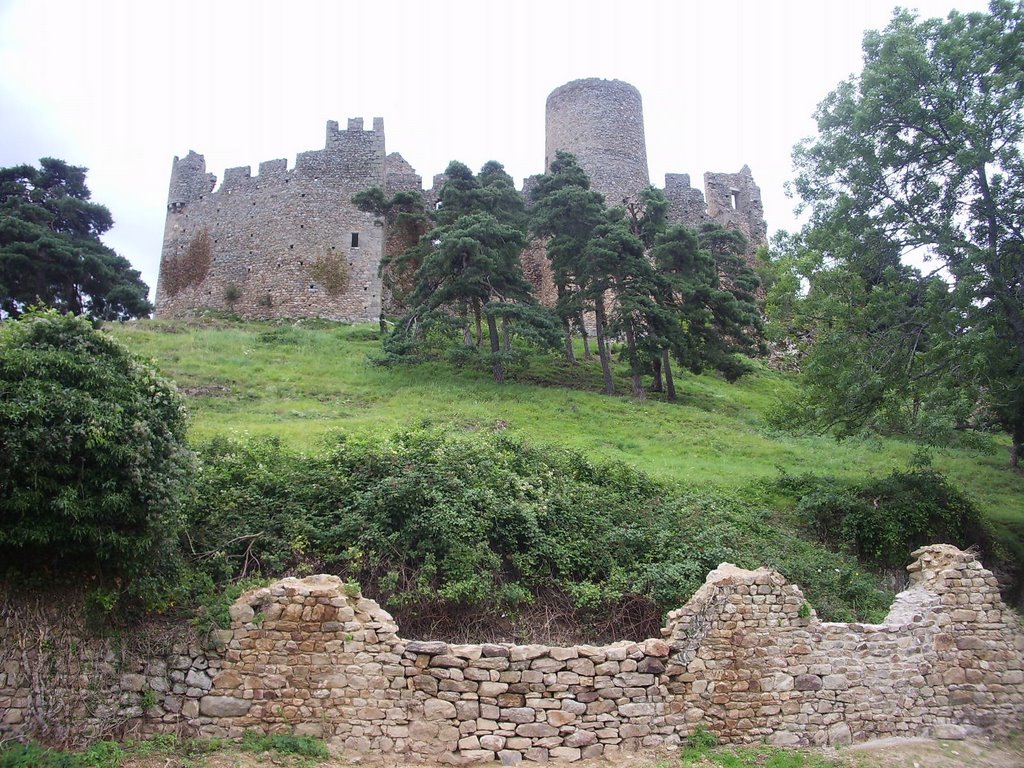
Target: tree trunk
{"type": "Point", "coordinates": [479, 328]}
{"type": "Point", "coordinates": [656, 385]}
{"type": "Point", "coordinates": [570, 354]}
{"type": "Point", "coordinates": [602, 346]}
{"type": "Point", "coordinates": [634, 365]}
{"type": "Point", "coordinates": [492, 331]}
{"type": "Point", "coordinates": [506, 335]}
{"type": "Point", "coordinates": [670, 384]}
{"type": "Point", "coordinates": [467, 334]}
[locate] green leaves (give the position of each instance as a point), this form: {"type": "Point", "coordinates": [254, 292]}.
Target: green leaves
{"type": "Point", "coordinates": [922, 153]}
{"type": "Point", "coordinates": [436, 524]}
{"type": "Point", "coordinates": [94, 452]}
{"type": "Point", "coordinates": [50, 248]}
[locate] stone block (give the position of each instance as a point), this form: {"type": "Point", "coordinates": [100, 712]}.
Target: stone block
{"type": "Point", "coordinates": [581, 739]}
{"type": "Point", "coordinates": [431, 648]}
{"type": "Point", "coordinates": [807, 683]}
{"type": "Point", "coordinates": [222, 706]}
{"type": "Point", "coordinates": [436, 709]}
{"type": "Point", "coordinates": [559, 717]}
{"type": "Point", "coordinates": [566, 754]}
{"type": "Point", "coordinates": [510, 757]}
{"type": "Point", "coordinates": [839, 733]}
{"type": "Point", "coordinates": [949, 731]}
{"type": "Point", "coordinates": [518, 715]}
{"type": "Point", "coordinates": [536, 730]}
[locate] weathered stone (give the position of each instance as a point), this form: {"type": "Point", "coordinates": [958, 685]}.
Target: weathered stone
{"type": "Point", "coordinates": [518, 715]}
{"type": "Point", "coordinates": [222, 706]}
{"type": "Point", "coordinates": [568, 754]}
{"type": "Point", "coordinates": [581, 739]}
{"type": "Point", "coordinates": [436, 709]}
{"type": "Point", "coordinates": [536, 730]}
{"type": "Point", "coordinates": [807, 683]}
{"type": "Point", "coordinates": [431, 648]}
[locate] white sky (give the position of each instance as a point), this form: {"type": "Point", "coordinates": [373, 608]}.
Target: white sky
{"type": "Point", "coordinates": [121, 86]}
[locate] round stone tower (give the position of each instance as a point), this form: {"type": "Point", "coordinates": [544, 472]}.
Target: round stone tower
{"type": "Point", "coordinates": [602, 123]}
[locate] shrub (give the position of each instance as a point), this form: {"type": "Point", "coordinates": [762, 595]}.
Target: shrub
{"type": "Point", "coordinates": [94, 455]}
{"type": "Point", "coordinates": [436, 525]}
{"type": "Point", "coordinates": [883, 520]}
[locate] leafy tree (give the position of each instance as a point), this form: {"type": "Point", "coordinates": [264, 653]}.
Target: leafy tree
{"type": "Point", "coordinates": [50, 248]}
{"type": "Point", "coordinates": [922, 152]}
{"type": "Point", "coordinates": [710, 289]}
{"type": "Point", "coordinates": [613, 260]}
{"type": "Point", "coordinates": [469, 262]}
{"type": "Point", "coordinates": [95, 458]}
{"type": "Point", "coordinates": [406, 222]}
{"type": "Point", "coordinates": [566, 212]}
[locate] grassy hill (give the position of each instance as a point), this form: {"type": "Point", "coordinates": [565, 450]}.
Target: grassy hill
{"type": "Point", "coordinates": [303, 381]}
{"type": "Point", "coordinates": [308, 383]}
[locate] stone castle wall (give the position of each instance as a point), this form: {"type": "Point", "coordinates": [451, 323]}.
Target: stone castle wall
{"type": "Point", "coordinates": [746, 658]}
{"type": "Point", "coordinates": [284, 242]}
{"type": "Point", "coordinates": [289, 242]}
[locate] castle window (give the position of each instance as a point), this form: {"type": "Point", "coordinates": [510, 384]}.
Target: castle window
{"type": "Point", "coordinates": [734, 198]}
{"type": "Point", "coordinates": [311, 287]}
{"type": "Point", "coordinates": [355, 239]}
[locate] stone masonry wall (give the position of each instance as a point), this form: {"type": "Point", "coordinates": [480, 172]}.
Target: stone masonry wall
{"type": "Point", "coordinates": [273, 234]}
{"type": "Point", "coordinates": [601, 122]}
{"type": "Point", "coordinates": [746, 658]}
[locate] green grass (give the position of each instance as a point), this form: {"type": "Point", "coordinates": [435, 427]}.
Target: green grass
{"type": "Point", "coordinates": [302, 381]}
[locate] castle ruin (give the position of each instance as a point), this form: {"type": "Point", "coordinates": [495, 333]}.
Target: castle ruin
{"type": "Point", "coordinates": [290, 243]}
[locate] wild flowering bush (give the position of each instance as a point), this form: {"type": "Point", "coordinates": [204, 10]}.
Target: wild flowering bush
{"type": "Point", "coordinates": [94, 457]}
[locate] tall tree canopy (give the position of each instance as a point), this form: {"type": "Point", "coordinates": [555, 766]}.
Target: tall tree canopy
{"type": "Point", "coordinates": [468, 265]}
{"type": "Point", "coordinates": [50, 248]}
{"type": "Point", "coordinates": [922, 153]}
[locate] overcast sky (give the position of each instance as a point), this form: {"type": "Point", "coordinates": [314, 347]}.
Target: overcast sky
{"type": "Point", "coordinates": [121, 87]}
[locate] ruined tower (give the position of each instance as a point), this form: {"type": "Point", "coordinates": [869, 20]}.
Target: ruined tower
{"type": "Point", "coordinates": [601, 122]}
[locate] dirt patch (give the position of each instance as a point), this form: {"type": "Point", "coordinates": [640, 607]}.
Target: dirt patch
{"type": "Point", "coordinates": [928, 753]}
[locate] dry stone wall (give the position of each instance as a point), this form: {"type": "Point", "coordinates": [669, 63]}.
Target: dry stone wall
{"type": "Point", "coordinates": [746, 658]}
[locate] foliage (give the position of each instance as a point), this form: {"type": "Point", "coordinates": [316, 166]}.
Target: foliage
{"type": "Point", "coordinates": [881, 521]}
{"type": "Point", "coordinates": [331, 271]}
{"type": "Point", "coordinates": [191, 268]}
{"type": "Point", "coordinates": [675, 291]}
{"type": "Point", "coordinates": [102, 754]}
{"type": "Point", "coordinates": [432, 522]}
{"type": "Point", "coordinates": [286, 744]}
{"type": "Point", "coordinates": [50, 247]}
{"type": "Point", "coordinates": [711, 756]}
{"type": "Point", "coordinates": [922, 153]}
{"type": "Point", "coordinates": [468, 267]}
{"type": "Point", "coordinates": [93, 440]}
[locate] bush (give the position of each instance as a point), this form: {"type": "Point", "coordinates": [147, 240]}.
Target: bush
{"type": "Point", "coordinates": [94, 456]}
{"type": "Point", "coordinates": [437, 525]}
{"type": "Point", "coordinates": [881, 521]}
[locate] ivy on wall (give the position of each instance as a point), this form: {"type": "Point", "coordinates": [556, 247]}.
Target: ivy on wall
{"type": "Point", "coordinates": [192, 267]}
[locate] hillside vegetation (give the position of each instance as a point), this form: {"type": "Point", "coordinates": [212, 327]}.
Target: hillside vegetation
{"type": "Point", "coordinates": [704, 476]}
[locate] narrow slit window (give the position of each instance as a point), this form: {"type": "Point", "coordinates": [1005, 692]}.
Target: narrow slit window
{"type": "Point", "coordinates": [355, 239]}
